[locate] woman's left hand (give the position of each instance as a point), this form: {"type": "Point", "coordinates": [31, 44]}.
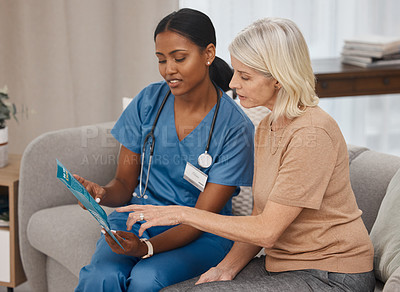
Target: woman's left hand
{"type": "Point", "coordinates": [153, 215]}
{"type": "Point", "coordinates": [131, 243]}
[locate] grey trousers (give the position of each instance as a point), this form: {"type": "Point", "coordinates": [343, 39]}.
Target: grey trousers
{"type": "Point", "coordinates": [254, 277]}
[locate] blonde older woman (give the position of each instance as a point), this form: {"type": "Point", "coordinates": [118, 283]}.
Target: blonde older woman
{"type": "Point", "coordinates": [305, 214]}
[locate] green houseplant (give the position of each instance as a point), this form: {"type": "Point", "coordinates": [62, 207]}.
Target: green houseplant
{"type": "Point", "coordinates": [7, 109]}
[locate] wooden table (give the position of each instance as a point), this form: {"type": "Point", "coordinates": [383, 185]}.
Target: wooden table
{"type": "Point", "coordinates": [335, 79]}
{"type": "Point", "coordinates": [11, 271]}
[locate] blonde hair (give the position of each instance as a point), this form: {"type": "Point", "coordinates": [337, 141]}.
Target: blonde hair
{"type": "Point", "coordinates": [276, 48]}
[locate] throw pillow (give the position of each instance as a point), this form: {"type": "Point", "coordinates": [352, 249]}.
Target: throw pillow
{"type": "Point", "coordinates": [385, 233]}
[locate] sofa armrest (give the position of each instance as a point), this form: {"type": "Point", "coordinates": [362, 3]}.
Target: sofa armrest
{"type": "Point", "coordinates": [89, 151]}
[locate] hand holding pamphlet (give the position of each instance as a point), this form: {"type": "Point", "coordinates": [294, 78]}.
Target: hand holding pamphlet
{"type": "Point", "coordinates": [79, 191]}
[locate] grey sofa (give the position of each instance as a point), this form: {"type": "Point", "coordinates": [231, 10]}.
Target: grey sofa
{"type": "Point", "coordinates": [57, 237]}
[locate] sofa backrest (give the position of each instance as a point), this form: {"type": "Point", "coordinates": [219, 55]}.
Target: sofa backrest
{"type": "Point", "coordinates": [370, 174]}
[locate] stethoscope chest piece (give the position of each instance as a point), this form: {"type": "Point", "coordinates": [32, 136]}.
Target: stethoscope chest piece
{"type": "Point", "coordinates": [204, 160]}
{"type": "Point", "coordinates": [137, 196]}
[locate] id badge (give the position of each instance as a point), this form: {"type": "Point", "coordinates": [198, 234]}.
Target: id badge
{"type": "Point", "coordinates": [195, 176]}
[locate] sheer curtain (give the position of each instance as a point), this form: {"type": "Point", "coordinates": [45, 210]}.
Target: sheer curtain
{"type": "Point", "coordinates": [371, 121]}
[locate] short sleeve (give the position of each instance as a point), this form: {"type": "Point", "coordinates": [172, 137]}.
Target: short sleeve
{"type": "Point", "coordinates": [127, 129]}
{"type": "Point", "coordinates": [234, 166]}
{"type": "Point", "coordinates": [306, 169]}
{"type": "Point", "coordinates": [136, 118]}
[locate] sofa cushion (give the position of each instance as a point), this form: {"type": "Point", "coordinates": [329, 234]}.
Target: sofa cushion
{"type": "Point", "coordinates": [59, 278]}
{"type": "Point", "coordinates": [74, 233]}
{"type": "Point", "coordinates": [385, 233]}
{"type": "Point", "coordinates": [370, 174]}
{"type": "Point", "coordinates": [242, 204]}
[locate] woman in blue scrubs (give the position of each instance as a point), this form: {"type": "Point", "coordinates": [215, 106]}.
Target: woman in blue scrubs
{"type": "Point", "coordinates": [197, 80]}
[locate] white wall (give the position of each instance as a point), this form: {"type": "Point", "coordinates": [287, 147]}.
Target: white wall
{"type": "Point", "coordinates": [69, 62]}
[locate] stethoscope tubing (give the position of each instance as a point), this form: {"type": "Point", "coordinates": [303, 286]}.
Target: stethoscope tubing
{"type": "Point", "coordinates": [150, 135]}
{"type": "Point", "coordinates": [213, 121]}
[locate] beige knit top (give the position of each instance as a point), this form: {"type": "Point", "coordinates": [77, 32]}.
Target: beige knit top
{"type": "Point", "coordinates": [305, 164]}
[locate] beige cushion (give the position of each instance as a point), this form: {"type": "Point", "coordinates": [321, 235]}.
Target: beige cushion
{"type": "Point", "coordinates": [242, 204]}
{"type": "Point", "coordinates": [385, 233]}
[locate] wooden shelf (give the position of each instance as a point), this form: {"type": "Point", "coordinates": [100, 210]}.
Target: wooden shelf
{"type": "Point", "coordinates": [335, 79]}
{"type": "Point", "coordinates": [9, 178]}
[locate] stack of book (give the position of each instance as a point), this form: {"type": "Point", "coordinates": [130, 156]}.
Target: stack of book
{"type": "Point", "coordinates": [4, 212]}
{"type": "Point", "coordinates": [372, 51]}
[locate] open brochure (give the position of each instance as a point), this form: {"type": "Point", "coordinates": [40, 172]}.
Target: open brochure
{"type": "Point", "coordinates": [85, 198]}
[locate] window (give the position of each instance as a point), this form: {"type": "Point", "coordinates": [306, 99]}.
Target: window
{"type": "Point", "coordinates": [371, 121]}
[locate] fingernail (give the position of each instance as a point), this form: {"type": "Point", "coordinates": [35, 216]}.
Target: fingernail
{"type": "Point", "coordinates": [97, 200]}
{"type": "Point", "coordinates": [113, 231]}
{"type": "Point", "coordinates": [103, 231]}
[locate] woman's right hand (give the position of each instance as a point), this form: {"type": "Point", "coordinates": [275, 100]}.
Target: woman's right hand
{"type": "Point", "coordinates": [96, 191]}
{"type": "Point", "coordinates": [215, 274]}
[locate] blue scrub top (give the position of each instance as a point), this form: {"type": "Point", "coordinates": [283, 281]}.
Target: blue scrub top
{"type": "Point", "coordinates": [231, 147]}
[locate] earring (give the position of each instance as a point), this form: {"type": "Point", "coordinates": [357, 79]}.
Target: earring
{"type": "Point", "coordinates": [208, 63]}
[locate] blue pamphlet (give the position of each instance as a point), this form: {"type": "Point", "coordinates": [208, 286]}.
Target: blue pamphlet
{"type": "Point", "coordinates": [85, 198]}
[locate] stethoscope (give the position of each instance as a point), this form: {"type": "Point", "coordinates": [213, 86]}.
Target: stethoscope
{"type": "Point", "coordinates": [204, 160]}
